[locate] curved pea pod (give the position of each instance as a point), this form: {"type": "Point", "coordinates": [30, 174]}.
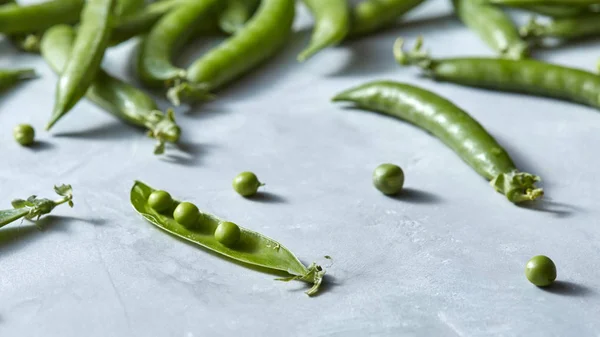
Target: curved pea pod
{"type": "Point", "coordinates": [545, 2]}
{"type": "Point", "coordinates": [113, 95]}
{"type": "Point", "coordinates": [453, 126]}
{"type": "Point", "coordinates": [92, 40]}
{"type": "Point", "coordinates": [10, 77]}
{"type": "Point", "coordinates": [155, 67]}
{"type": "Point", "coordinates": [369, 16]}
{"type": "Point", "coordinates": [15, 19]}
{"type": "Point", "coordinates": [523, 76]}
{"type": "Point", "coordinates": [261, 38]}
{"type": "Point", "coordinates": [236, 15]}
{"type": "Point", "coordinates": [332, 24]}
{"type": "Point", "coordinates": [252, 249]}
{"type": "Point", "coordinates": [555, 11]}
{"type": "Point", "coordinates": [494, 26]}
{"type": "Point", "coordinates": [564, 28]}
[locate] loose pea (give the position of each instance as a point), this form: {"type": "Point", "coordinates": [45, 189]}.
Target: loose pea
{"type": "Point", "coordinates": [541, 271]}
{"type": "Point", "coordinates": [227, 233]}
{"type": "Point", "coordinates": [246, 184]}
{"type": "Point", "coordinates": [388, 178]}
{"type": "Point", "coordinates": [24, 134]}
{"type": "Point", "coordinates": [160, 201]}
{"type": "Point", "coordinates": [186, 214]}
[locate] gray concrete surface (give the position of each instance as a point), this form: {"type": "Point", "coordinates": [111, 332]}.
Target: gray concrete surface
{"type": "Point", "coordinates": [447, 260]}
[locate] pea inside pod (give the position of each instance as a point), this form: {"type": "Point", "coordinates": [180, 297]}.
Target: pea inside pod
{"type": "Point", "coordinates": [251, 248]}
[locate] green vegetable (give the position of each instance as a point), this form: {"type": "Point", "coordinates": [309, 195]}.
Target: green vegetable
{"type": "Point", "coordinates": [84, 62]}
{"type": "Point", "coordinates": [555, 11]}
{"type": "Point", "coordinates": [15, 19]}
{"type": "Point", "coordinates": [263, 36]}
{"type": "Point", "coordinates": [545, 2]}
{"type": "Point", "coordinates": [236, 15]}
{"type": "Point", "coordinates": [252, 248]}
{"type": "Point", "coordinates": [453, 126]}
{"type": "Point", "coordinates": [246, 184]}
{"type": "Point", "coordinates": [10, 77]}
{"type": "Point", "coordinates": [187, 214]}
{"type": "Point", "coordinates": [128, 7]}
{"type": "Point", "coordinates": [369, 16]}
{"type": "Point", "coordinates": [523, 76]}
{"type": "Point", "coordinates": [33, 208]}
{"type": "Point", "coordinates": [332, 24]}
{"type": "Point", "coordinates": [160, 201]}
{"type": "Point", "coordinates": [493, 26]}
{"type": "Point", "coordinates": [388, 178]}
{"type": "Point", "coordinates": [565, 28]}
{"type": "Point", "coordinates": [24, 134]}
{"type": "Point", "coordinates": [228, 233]}
{"type": "Point", "coordinates": [541, 271]}
{"type": "Point", "coordinates": [117, 97]}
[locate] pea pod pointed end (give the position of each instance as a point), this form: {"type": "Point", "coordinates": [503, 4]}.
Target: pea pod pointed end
{"type": "Point", "coordinates": [518, 186]}
{"type": "Point", "coordinates": [417, 56]}
{"type": "Point", "coordinates": [186, 91]}
{"type": "Point", "coordinates": [26, 74]}
{"type": "Point", "coordinates": [164, 128]}
{"type": "Point", "coordinates": [314, 274]}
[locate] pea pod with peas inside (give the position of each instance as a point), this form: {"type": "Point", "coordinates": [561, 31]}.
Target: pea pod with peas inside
{"type": "Point", "coordinates": [154, 66]}
{"type": "Point", "coordinates": [523, 76]}
{"type": "Point", "coordinates": [90, 43]}
{"type": "Point", "coordinates": [33, 208]}
{"type": "Point", "coordinates": [545, 2]}
{"type": "Point", "coordinates": [565, 28]}
{"type": "Point", "coordinates": [263, 36]}
{"type": "Point", "coordinates": [332, 24]}
{"type": "Point", "coordinates": [493, 25]}
{"type": "Point", "coordinates": [11, 77]}
{"type": "Point", "coordinates": [16, 19]}
{"type": "Point", "coordinates": [115, 96]}
{"type": "Point", "coordinates": [250, 248]}
{"type": "Point", "coordinates": [369, 16]}
{"type": "Point", "coordinates": [555, 11]}
{"type": "Point", "coordinates": [453, 126]}
{"type": "Point", "coordinates": [237, 14]}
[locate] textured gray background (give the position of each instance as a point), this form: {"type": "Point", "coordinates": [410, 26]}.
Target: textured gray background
{"type": "Point", "coordinates": [448, 261]}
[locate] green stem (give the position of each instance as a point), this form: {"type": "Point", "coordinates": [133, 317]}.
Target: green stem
{"type": "Point", "coordinates": [517, 186]}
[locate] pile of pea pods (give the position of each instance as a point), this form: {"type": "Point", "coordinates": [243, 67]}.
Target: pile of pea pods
{"type": "Point", "coordinates": [72, 36]}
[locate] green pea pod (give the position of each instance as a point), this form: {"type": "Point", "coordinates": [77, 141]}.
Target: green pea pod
{"type": "Point", "coordinates": [29, 43]}
{"type": "Point", "coordinates": [564, 28]}
{"type": "Point", "coordinates": [10, 77]}
{"type": "Point", "coordinates": [565, 11]}
{"type": "Point", "coordinates": [154, 66]}
{"type": "Point", "coordinates": [453, 126]}
{"type": "Point", "coordinates": [523, 76]}
{"type": "Point", "coordinates": [33, 208]}
{"type": "Point", "coordinates": [253, 248]}
{"type": "Point", "coordinates": [261, 38]}
{"type": "Point", "coordinates": [370, 16]}
{"type": "Point", "coordinates": [332, 24]}
{"type": "Point", "coordinates": [128, 7]}
{"type": "Point", "coordinates": [236, 15]}
{"type": "Point", "coordinates": [113, 95]}
{"type": "Point", "coordinates": [545, 2]}
{"type": "Point", "coordinates": [493, 25]}
{"type": "Point", "coordinates": [92, 40]}
{"type": "Point", "coordinates": [15, 19]}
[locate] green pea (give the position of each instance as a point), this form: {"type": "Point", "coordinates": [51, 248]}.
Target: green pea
{"type": "Point", "coordinates": [187, 214]}
{"type": "Point", "coordinates": [228, 233]}
{"type": "Point", "coordinates": [160, 201]}
{"type": "Point", "coordinates": [246, 184]}
{"type": "Point", "coordinates": [388, 178]}
{"type": "Point", "coordinates": [541, 271]}
{"type": "Point", "coordinates": [24, 134]}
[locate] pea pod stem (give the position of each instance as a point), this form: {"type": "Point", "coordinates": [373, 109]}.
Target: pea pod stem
{"type": "Point", "coordinates": [10, 77]}
{"type": "Point", "coordinates": [33, 208]}
{"type": "Point", "coordinates": [253, 249]}
{"type": "Point", "coordinates": [523, 76]}
{"type": "Point", "coordinates": [117, 97]}
{"type": "Point", "coordinates": [332, 24]}
{"type": "Point", "coordinates": [453, 126]}
{"type": "Point", "coordinates": [88, 51]}
{"type": "Point", "coordinates": [565, 28]}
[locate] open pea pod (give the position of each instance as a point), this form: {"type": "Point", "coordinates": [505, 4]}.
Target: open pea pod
{"type": "Point", "coordinates": [253, 248]}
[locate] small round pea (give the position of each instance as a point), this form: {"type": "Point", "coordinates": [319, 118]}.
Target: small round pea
{"type": "Point", "coordinates": [227, 233]}
{"type": "Point", "coordinates": [541, 271]}
{"type": "Point", "coordinates": [388, 178]}
{"type": "Point", "coordinates": [24, 134]}
{"type": "Point", "coordinates": [186, 214]}
{"type": "Point", "coordinates": [160, 201]}
{"type": "Point", "coordinates": [246, 184]}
